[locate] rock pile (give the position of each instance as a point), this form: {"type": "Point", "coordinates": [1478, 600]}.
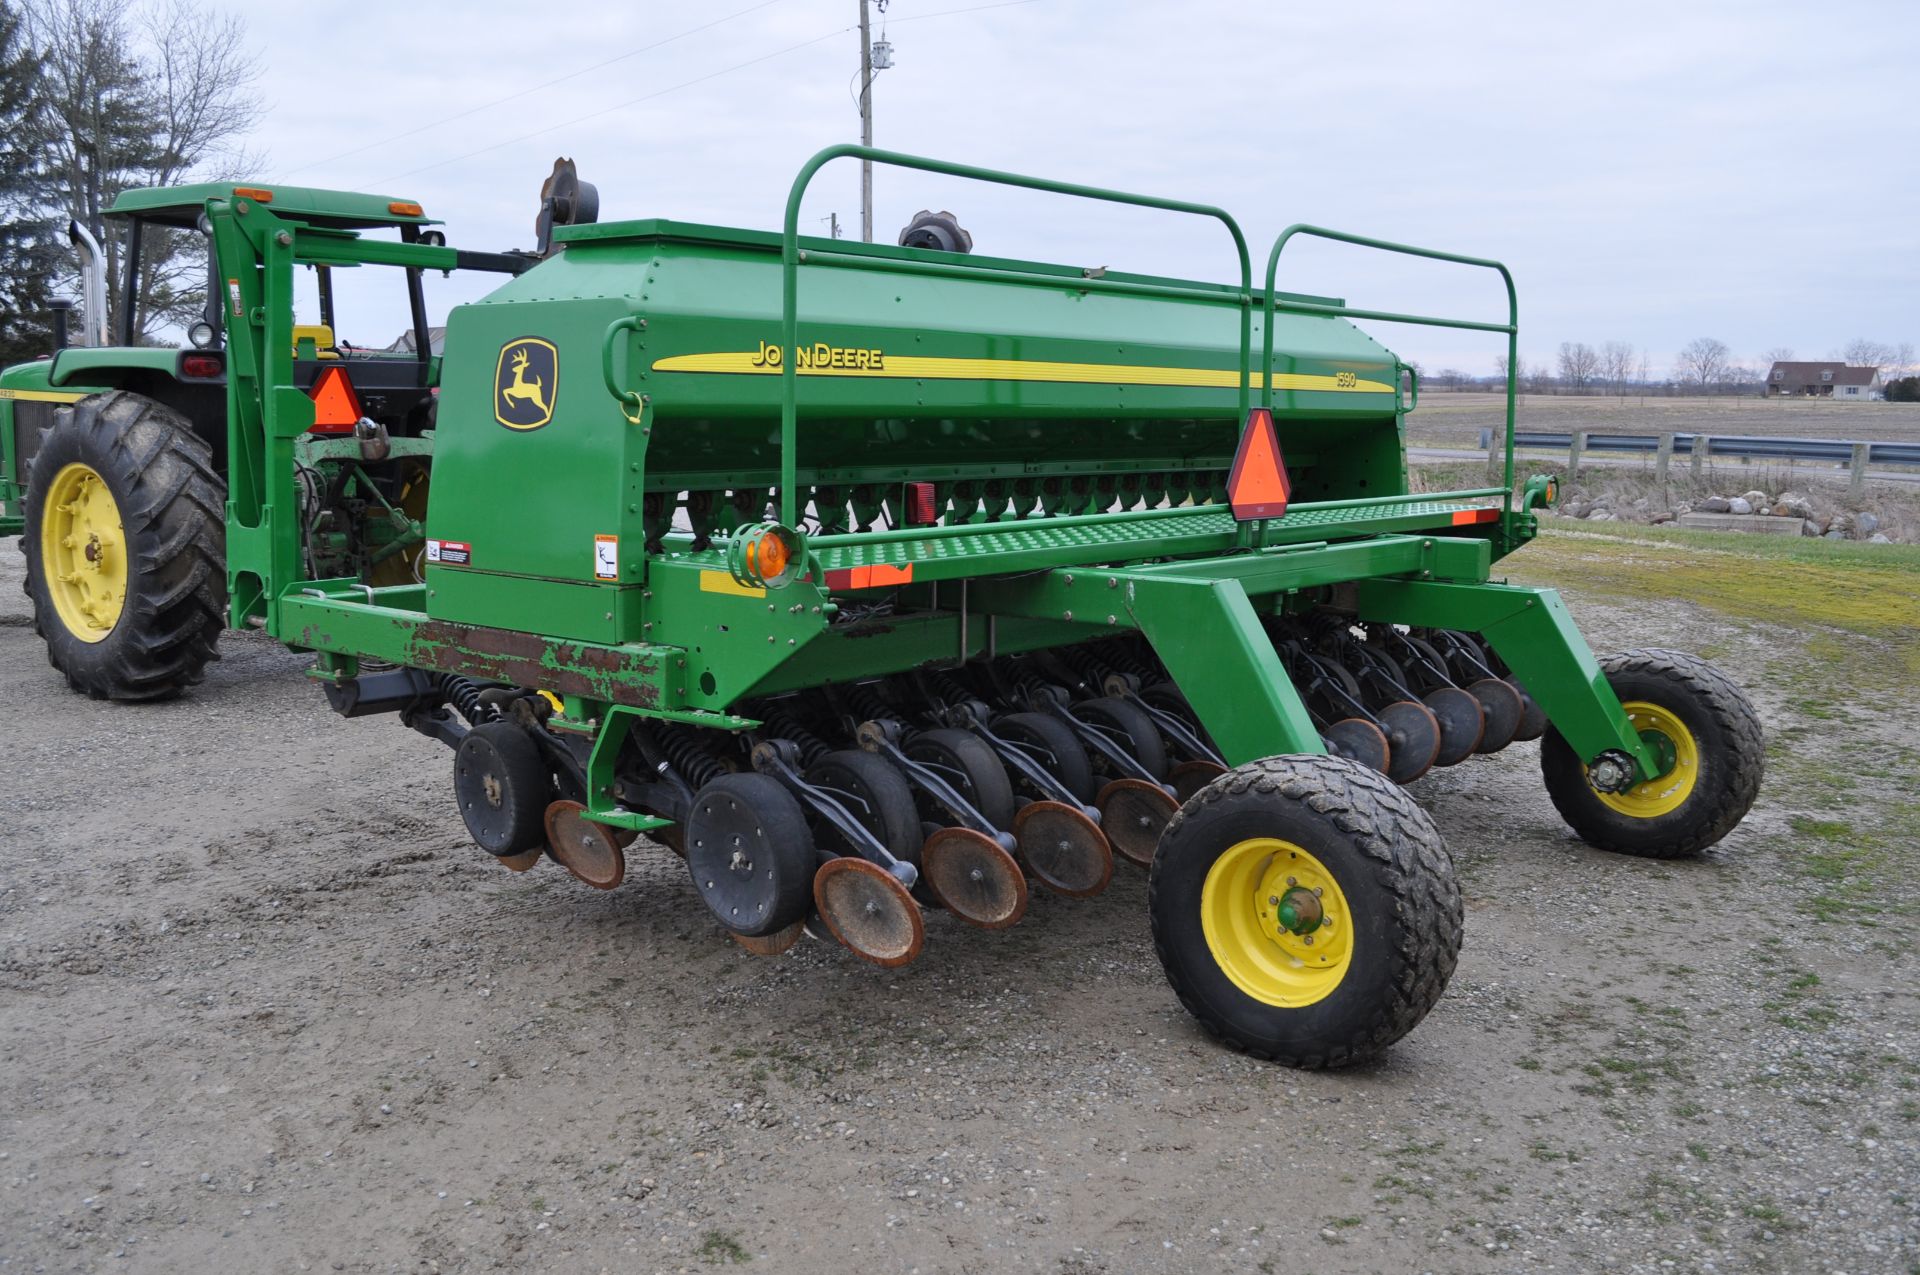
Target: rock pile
{"type": "Point", "coordinates": [1859, 525]}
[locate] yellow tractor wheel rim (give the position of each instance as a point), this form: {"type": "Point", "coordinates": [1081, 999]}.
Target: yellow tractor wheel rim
{"type": "Point", "coordinates": [1246, 930]}
{"type": "Point", "coordinates": [1670, 791]}
{"type": "Point", "coordinates": [83, 551]}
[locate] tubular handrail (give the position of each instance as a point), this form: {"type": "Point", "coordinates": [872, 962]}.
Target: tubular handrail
{"type": "Point", "coordinates": [790, 279]}
{"type": "Point", "coordinates": [1511, 327]}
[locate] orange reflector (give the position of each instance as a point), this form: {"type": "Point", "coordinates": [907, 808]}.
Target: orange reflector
{"type": "Point", "coordinates": [1258, 486]}
{"type": "Point", "coordinates": [767, 556]}
{"type": "Point", "coordinates": [401, 209]}
{"type": "Point", "coordinates": [336, 408]}
{"type": "Point", "coordinates": [255, 193]}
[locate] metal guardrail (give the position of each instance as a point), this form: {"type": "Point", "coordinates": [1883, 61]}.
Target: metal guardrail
{"type": "Point", "coordinates": [1834, 451]}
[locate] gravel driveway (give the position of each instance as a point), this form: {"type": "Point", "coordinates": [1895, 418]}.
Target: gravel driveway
{"type": "Point", "coordinates": [264, 1008]}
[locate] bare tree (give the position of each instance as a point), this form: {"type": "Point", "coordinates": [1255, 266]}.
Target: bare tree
{"type": "Point", "coordinates": [1516, 375]}
{"type": "Point", "coordinates": [1882, 356]}
{"type": "Point", "coordinates": [1579, 364]}
{"type": "Point", "coordinates": [1778, 354]}
{"type": "Point", "coordinates": [1704, 362]}
{"type": "Point", "coordinates": [148, 94]}
{"type": "Point", "coordinates": [1616, 365]}
{"type": "Point", "coordinates": [1450, 378]}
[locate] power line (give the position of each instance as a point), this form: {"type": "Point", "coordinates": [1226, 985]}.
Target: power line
{"type": "Point", "coordinates": [514, 97]}
{"type": "Point", "coordinates": [947, 13]}
{"type": "Point", "coordinates": [674, 88]}
{"type": "Point", "coordinates": [620, 106]}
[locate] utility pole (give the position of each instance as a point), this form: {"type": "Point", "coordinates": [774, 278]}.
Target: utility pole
{"type": "Point", "coordinates": [866, 127]}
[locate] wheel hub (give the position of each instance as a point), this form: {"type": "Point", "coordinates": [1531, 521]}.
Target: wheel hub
{"type": "Point", "coordinates": [83, 551]}
{"type": "Point", "coordinates": [1277, 922]}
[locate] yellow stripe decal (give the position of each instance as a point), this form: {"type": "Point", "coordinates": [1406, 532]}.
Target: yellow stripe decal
{"type": "Point", "coordinates": [721, 582]}
{"type": "Point", "coordinates": [44, 396]}
{"type": "Point", "coordinates": [909, 367]}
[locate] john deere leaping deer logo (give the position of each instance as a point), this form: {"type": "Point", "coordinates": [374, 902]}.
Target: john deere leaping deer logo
{"type": "Point", "coordinates": [525, 383]}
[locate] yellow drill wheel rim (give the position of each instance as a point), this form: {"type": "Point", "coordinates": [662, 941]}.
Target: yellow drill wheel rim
{"type": "Point", "coordinates": [1242, 923]}
{"type": "Point", "coordinates": [1670, 791]}
{"type": "Point", "coordinates": [83, 552]}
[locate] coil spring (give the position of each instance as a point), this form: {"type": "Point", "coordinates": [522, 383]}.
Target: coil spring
{"type": "Point", "coordinates": [868, 704]}
{"type": "Point", "coordinates": [947, 687]}
{"type": "Point", "coordinates": [1090, 666]}
{"type": "Point", "coordinates": [464, 694]}
{"type": "Point", "coordinates": [689, 756]}
{"type": "Point", "coordinates": [1136, 658]}
{"type": "Point", "coordinates": [812, 748]}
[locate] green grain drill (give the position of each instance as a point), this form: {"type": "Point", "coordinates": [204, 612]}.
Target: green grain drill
{"type": "Point", "coordinates": [875, 582]}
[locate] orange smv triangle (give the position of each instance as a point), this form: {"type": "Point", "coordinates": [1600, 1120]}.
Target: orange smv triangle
{"type": "Point", "coordinates": [1258, 486]}
{"type": "Point", "coordinates": [336, 408]}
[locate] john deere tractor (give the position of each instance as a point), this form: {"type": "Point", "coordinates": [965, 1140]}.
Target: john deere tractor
{"type": "Point", "coordinates": [881, 584]}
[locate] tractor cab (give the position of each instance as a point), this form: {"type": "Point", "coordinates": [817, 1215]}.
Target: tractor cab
{"type": "Point", "coordinates": [391, 379]}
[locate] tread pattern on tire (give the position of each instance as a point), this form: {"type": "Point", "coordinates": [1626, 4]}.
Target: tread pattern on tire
{"type": "Point", "coordinates": [1411, 864]}
{"type": "Point", "coordinates": [172, 503]}
{"type": "Point", "coordinates": [1744, 763]}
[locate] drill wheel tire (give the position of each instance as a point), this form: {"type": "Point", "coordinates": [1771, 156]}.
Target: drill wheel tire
{"type": "Point", "coordinates": [1356, 739]}
{"type": "Point", "coordinates": [750, 853]}
{"type": "Point", "coordinates": [965, 761]}
{"type": "Point", "coordinates": [1462, 723]}
{"type": "Point", "coordinates": [1133, 814]}
{"type": "Point", "coordinates": [1690, 711]}
{"type": "Point", "coordinates": [125, 548]}
{"type": "Point", "coordinates": [501, 784]}
{"type": "Point", "coordinates": [882, 801]}
{"type": "Point", "coordinates": [1066, 851]}
{"type": "Point", "coordinates": [1055, 746]}
{"type": "Point", "coordinates": [1413, 740]}
{"type": "Point", "coordinates": [869, 911]}
{"type": "Point", "coordinates": [1337, 842]}
{"type": "Point", "coordinates": [1130, 727]}
{"type": "Point", "coordinates": [586, 849]}
{"type": "Point", "coordinates": [971, 876]}
{"type": "Point", "coordinates": [1503, 709]}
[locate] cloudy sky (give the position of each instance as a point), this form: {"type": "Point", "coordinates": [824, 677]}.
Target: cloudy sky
{"type": "Point", "coordinates": [1651, 172]}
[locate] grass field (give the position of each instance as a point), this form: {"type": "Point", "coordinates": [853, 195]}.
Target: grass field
{"type": "Point", "coordinates": [1448, 419]}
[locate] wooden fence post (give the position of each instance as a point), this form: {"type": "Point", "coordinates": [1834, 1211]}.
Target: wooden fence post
{"type": "Point", "coordinates": [1661, 459]}
{"type": "Point", "coordinates": [1573, 453]}
{"type": "Point", "coordinates": [1700, 444]}
{"type": "Point", "coordinates": [1857, 473]}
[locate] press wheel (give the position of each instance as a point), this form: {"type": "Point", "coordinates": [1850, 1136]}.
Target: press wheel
{"type": "Point", "coordinates": [1189, 777]}
{"type": "Point", "coordinates": [1359, 739]}
{"type": "Point", "coordinates": [965, 761]}
{"type": "Point", "coordinates": [501, 784]}
{"type": "Point", "coordinates": [584, 848]}
{"type": "Point", "coordinates": [882, 801]}
{"type": "Point", "coordinates": [974, 878]}
{"type": "Point", "coordinates": [771, 944]}
{"type": "Point", "coordinates": [1133, 813]}
{"type": "Point", "coordinates": [1533, 718]}
{"type": "Point", "coordinates": [1503, 709]}
{"type": "Point", "coordinates": [1135, 730]}
{"type": "Point", "coordinates": [869, 911]}
{"type": "Point", "coordinates": [1462, 724]}
{"type": "Point", "coordinates": [1065, 850]}
{"type": "Point", "coordinates": [1413, 740]}
{"type": "Point", "coordinates": [1055, 746]}
{"type": "Point", "coordinates": [750, 853]}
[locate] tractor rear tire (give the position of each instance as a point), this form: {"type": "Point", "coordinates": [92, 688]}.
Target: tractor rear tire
{"type": "Point", "coordinates": [1379, 938]}
{"type": "Point", "coordinates": [125, 549]}
{"type": "Point", "coordinates": [1719, 752]}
